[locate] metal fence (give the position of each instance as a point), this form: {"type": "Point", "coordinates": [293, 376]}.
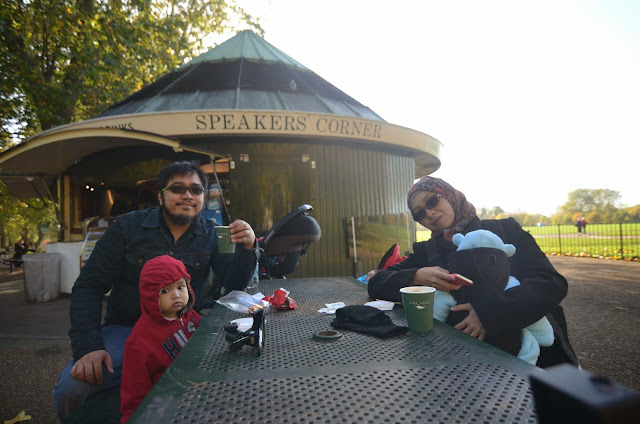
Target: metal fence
{"type": "Point", "coordinates": [610, 241]}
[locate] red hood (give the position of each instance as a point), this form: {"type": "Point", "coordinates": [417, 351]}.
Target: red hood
{"type": "Point", "coordinates": [156, 274]}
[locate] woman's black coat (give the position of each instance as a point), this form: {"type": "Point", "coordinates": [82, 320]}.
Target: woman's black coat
{"type": "Point", "coordinates": [539, 294]}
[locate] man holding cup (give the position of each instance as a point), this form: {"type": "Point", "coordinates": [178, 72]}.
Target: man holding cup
{"type": "Point", "coordinates": [174, 228]}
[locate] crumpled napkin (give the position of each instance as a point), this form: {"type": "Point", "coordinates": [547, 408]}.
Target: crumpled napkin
{"type": "Point", "coordinates": [331, 308]}
{"type": "Point", "coordinates": [383, 305]}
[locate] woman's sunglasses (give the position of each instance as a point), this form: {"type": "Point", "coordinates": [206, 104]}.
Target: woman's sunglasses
{"type": "Point", "coordinates": [431, 203]}
{"type": "Point", "coordinates": [181, 189]}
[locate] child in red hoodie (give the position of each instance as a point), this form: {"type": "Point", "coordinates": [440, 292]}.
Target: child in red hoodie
{"type": "Point", "coordinates": [166, 323]}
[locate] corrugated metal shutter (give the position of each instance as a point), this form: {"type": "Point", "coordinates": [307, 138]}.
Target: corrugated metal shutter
{"type": "Point", "coordinates": [338, 181]}
{"type": "Point", "coordinates": [352, 182]}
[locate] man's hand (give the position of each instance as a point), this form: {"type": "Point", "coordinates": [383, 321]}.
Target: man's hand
{"type": "Point", "coordinates": [434, 276]}
{"type": "Point", "coordinates": [471, 325]}
{"type": "Point", "coordinates": [89, 367]}
{"type": "Point", "coordinates": [242, 233]}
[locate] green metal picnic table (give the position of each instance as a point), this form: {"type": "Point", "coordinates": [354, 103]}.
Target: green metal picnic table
{"type": "Point", "coordinates": [440, 376]}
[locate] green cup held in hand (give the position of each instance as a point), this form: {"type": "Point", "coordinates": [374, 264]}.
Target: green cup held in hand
{"type": "Point", "coordinates": [223, 233]}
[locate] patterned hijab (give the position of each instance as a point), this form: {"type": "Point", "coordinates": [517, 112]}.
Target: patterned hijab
{"type": "Point", "coordinates": [464, 211]}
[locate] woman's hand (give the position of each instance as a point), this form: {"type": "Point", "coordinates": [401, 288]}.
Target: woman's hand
{"type": "Point", "coordinates": [370, 274]}
{"type": "Point", "coordinates": [471, 325]}
{"type": "Point", "coordinates": [434, 276]}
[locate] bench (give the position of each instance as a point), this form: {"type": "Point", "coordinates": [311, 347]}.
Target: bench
{"type": "Point", "coordinates": [5, 259]}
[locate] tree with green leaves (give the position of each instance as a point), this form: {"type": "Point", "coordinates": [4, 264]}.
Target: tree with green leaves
{"type": "Point", "coordinates": [583, 201]}
{"type": "Point", "coordinates": [33, 219]}
{"type": "Point", "coordinates": [63, 60]}
{"type": "Point", "coordinates": [631, 214]}
{"type": "Point", "coordinates": [8, 210]}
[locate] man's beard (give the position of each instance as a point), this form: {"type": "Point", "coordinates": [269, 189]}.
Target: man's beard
{"type": "Point", "coordinates": [177, 219]}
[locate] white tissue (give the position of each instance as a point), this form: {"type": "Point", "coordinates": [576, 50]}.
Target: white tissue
{"type": "Point", "coordinates": [331, 308]}
{"type": "Point", "coordinates": [383, 305]}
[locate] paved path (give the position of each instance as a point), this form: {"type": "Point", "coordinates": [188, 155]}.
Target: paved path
{"type": "Point", "coordinates": [34, 347]}
{"type": "Point", "coordinates": [602, 309]}
{"type": "Point", "coordinates": [603, 315]}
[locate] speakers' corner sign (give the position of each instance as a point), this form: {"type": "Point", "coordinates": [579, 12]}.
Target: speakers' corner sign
{"type": "Point", "coordinates": [263, 122]}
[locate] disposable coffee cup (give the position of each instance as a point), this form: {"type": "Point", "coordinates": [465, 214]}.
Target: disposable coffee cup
{"type": "Point", "coordinates": [223, 233]}
{"type": "Point", "coordinates": [418, 307]}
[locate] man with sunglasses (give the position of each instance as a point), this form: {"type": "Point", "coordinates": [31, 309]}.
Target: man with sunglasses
{"type": "Point", "coordinates": [173, 228]}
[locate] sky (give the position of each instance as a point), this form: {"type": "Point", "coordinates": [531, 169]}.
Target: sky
{"type": "Point", "coordinates": [531, 100]}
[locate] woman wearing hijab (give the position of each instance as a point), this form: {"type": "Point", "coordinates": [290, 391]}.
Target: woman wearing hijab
{"type": "Point", "coordinates": [445, 211]}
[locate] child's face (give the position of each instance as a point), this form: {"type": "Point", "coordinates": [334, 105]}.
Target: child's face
{"type": "Point", "coordinates": [173, 298]}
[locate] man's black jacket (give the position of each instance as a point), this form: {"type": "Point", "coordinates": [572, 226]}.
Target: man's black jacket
{"type": "Point", "coordinates": [117, 260]}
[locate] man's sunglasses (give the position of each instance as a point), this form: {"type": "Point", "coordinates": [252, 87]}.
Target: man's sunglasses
{"type": "Point", "coordinates": [181, 189]}
{"type": "Point", "coordinates": [431, 203]}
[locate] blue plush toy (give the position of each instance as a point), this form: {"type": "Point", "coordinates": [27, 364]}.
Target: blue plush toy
{"type": "Point", "coordinates": [540, 333]}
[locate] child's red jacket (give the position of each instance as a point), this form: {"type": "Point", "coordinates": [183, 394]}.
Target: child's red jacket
{"type": "Point", "coordinates": [155, 340]}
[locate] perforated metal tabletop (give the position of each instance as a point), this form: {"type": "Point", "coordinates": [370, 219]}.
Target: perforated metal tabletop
{"type": "Point", "coordinates": [443, 376]}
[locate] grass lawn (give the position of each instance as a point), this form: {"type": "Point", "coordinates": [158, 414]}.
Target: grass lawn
{"type": "Point", "coordinates": [612, 241]}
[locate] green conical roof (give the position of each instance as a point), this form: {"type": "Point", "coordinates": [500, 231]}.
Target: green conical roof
{"type": "Point", "coordinates": [249, 46]}
{"type": "Point", "coordinates": [243, 73]}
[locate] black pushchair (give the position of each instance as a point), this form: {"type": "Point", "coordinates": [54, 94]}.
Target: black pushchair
{"type": "Point", "coordinates": [290, 238]}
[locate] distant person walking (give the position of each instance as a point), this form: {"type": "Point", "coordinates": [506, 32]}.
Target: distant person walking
{"type": "Point", "coordinates": [583, 224]}
{"type": "Point", "coordinates": [579, 224]}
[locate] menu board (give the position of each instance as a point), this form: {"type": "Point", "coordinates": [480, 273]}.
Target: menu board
{"type": "Point", "coordinates": [90, 240]}
{"type": "Point", "coordinates": [376, 234]}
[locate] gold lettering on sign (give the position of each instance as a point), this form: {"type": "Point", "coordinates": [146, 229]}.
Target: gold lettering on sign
{"type": "Point", "coordinates": [252, 122]}
{"type": "Point", "coordinates": [285, 122]}
{"type": "Point", "coordinates": [259, 124]}
{"type": "Point", "coordinates": [337, 126]}
{"type": "Point", "coordinates": [121, 126]}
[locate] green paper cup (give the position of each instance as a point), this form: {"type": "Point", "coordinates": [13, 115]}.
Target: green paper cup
{"type": "Point", "coordinates": [418, 307]}
{"type": "Point", "coordinates": [223, 233]}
